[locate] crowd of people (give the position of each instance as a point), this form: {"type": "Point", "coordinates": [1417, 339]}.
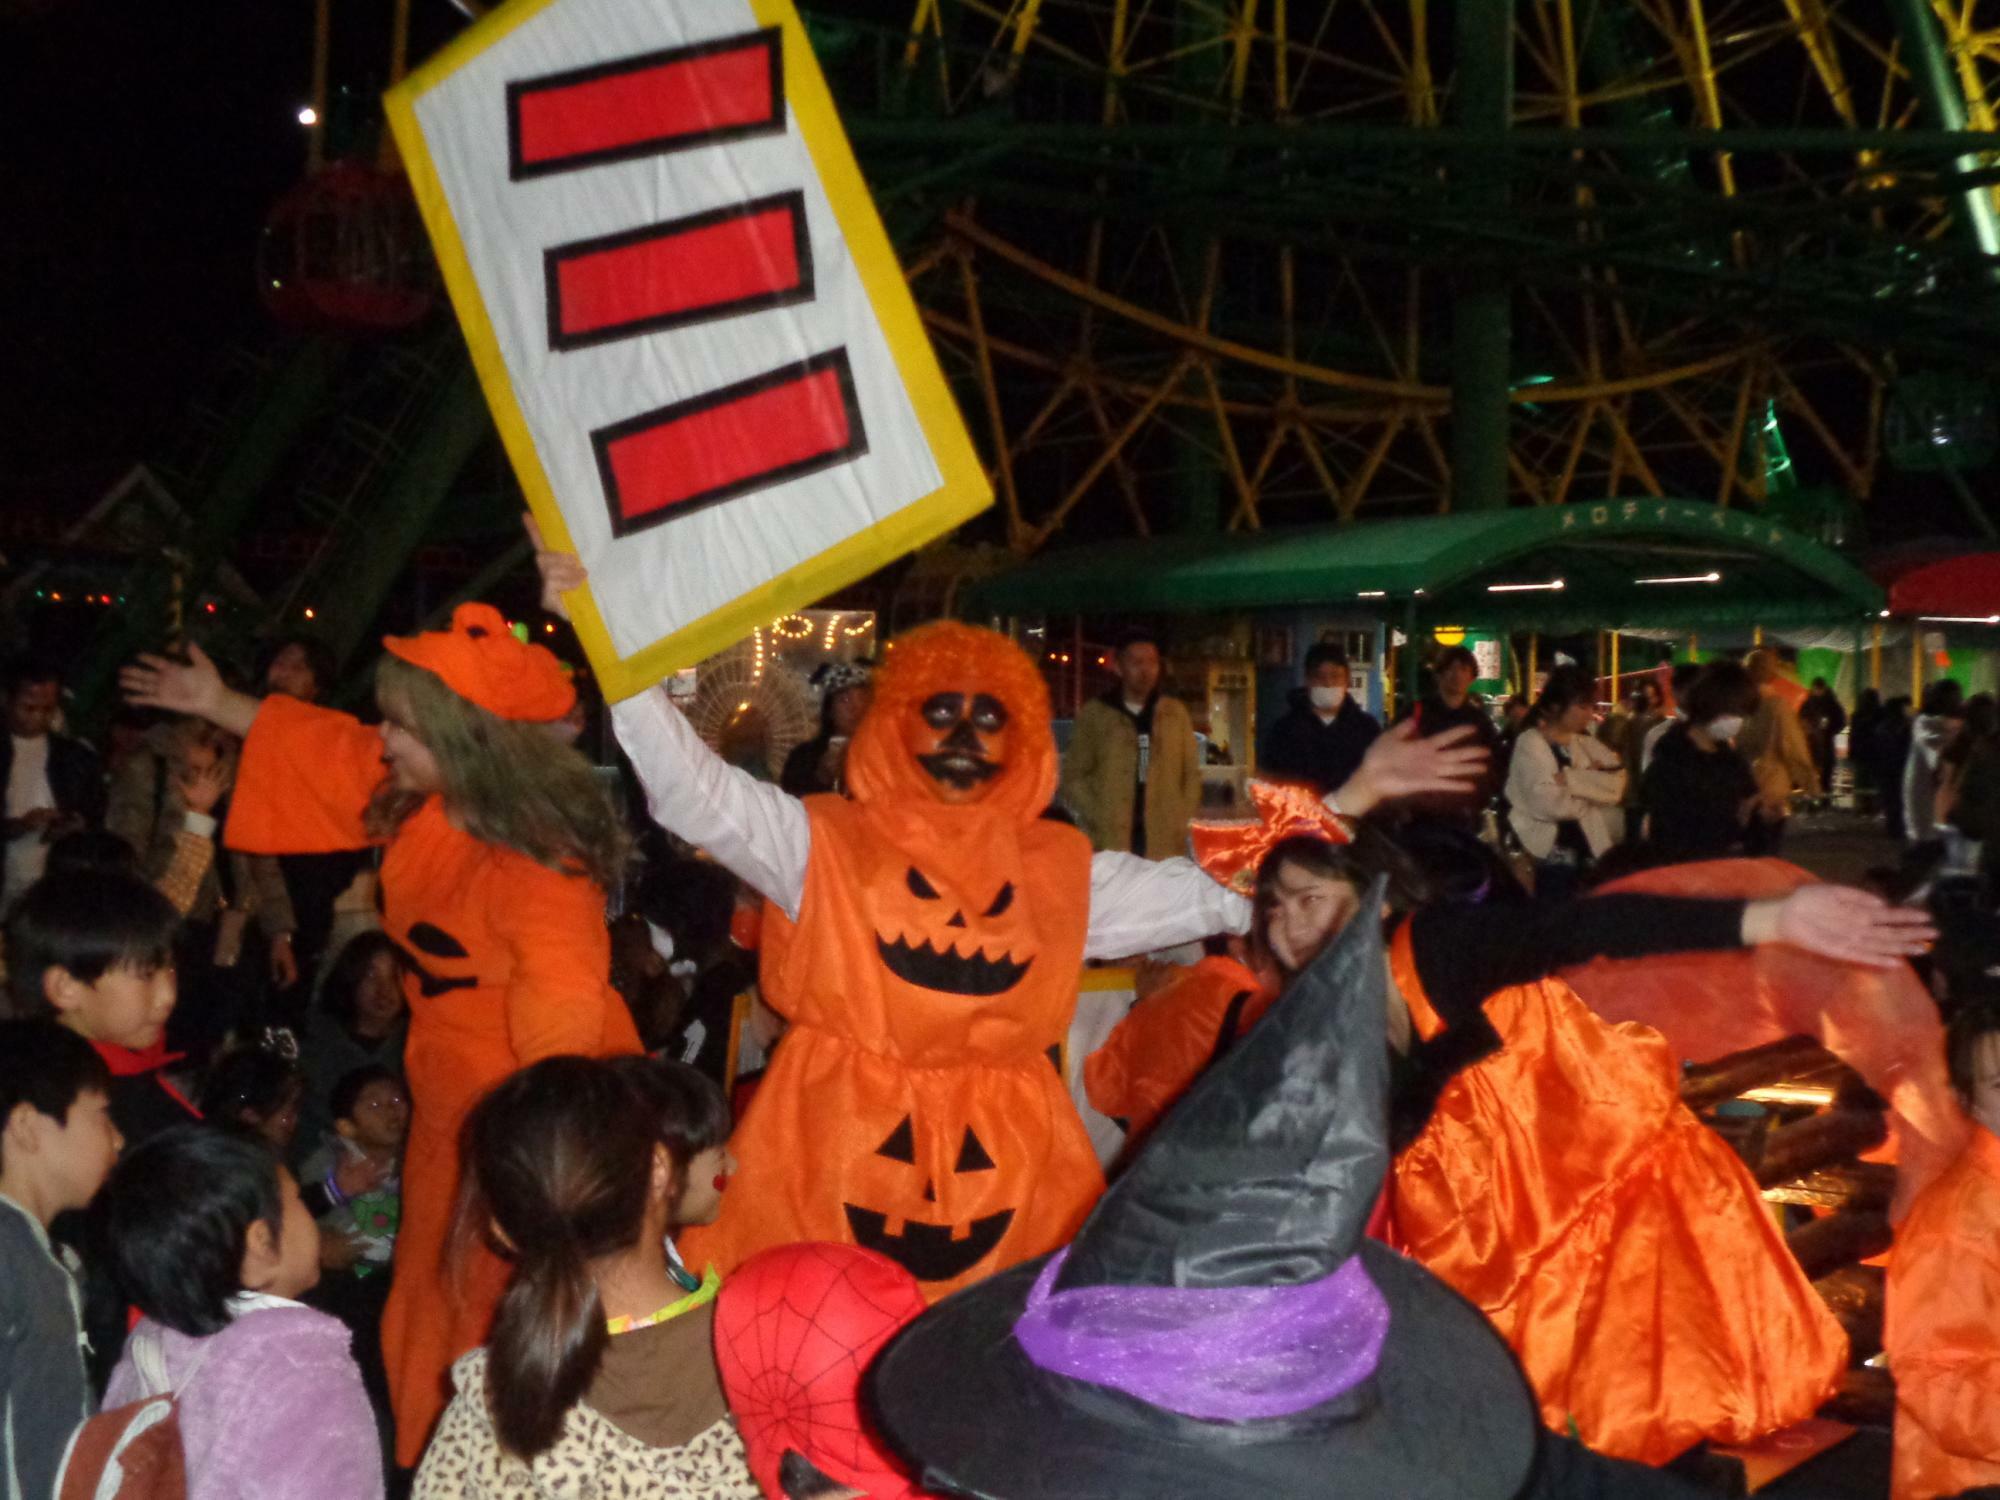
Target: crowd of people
{"type": "Point", "coordinates": [383, 1108]}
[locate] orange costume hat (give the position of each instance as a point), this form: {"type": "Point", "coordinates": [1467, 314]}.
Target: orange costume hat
{"type": "Point", "coordinates": [1230, 851]}
{"type": "Point", "coordinates": [482, 661]}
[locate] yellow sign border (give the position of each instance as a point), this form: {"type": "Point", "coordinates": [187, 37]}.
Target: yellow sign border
{"type": "Point", "coordinates": [965, 490]}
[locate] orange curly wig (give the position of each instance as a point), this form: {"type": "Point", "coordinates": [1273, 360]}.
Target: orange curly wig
{"type": "Point", "coordinates": [945, 656]}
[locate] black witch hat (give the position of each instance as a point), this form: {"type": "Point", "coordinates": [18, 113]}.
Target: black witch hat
{"type": "Point", "coordinates": [1222, 1326]}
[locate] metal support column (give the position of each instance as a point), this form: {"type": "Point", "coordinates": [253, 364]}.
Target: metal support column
{"type": "Point", "coordinates": [1944, 109]}
{"type": "Point", "coordinates": [1482, 311]}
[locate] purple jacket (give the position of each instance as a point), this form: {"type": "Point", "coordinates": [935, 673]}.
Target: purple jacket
{"type": "Point", "coordinates": [274, 1410]}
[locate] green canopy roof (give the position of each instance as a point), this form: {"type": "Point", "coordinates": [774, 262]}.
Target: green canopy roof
{"type": "Point", "coordinates": [1468, 568]}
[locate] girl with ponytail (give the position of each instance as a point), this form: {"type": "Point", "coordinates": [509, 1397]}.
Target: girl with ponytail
{"type": "Point", "coordinates": [600, 1362]}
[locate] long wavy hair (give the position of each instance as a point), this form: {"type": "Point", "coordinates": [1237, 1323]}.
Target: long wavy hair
{"type": "Point", "coordinates": [505, 782]}
{"type": "Point", "coordinates": [558, 1171]}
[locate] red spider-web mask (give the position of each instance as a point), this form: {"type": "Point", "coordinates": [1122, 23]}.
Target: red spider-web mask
{"type": "Point", "coordinates": [795, 1330]}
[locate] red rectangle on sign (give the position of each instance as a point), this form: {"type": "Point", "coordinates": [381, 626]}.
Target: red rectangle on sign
{"type": "Point", "coordinates": [728, 261]}
{"type": "Point", "coordinates": [748, 436]}
{"type": "Point", "coordinates": [643, 106]}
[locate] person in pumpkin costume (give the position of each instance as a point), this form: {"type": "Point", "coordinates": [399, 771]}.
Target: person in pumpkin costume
{"type": "Point", "coordinates": [1545, 1165]}
{"type": "Point", "coordinates": [499, 848]}
{"type": "Point", "coordinates": [924, 936]}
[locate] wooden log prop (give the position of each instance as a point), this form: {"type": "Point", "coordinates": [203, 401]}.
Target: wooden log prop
{"type": "Point", "coordinates": [1818, 1142]}
{"type": "Point", "coordinates": [1860, 1185]}
{"type": "Point", "coordinates": [1789, 1060]}
{"type": "Point", "coordinates": [1839, 1241]}
{"type": "Point", "coordinates": [1866, 1398]}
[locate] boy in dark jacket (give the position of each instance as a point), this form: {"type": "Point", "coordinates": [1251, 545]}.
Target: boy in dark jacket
{"type": "Point", "coordinates": [57, 1145]}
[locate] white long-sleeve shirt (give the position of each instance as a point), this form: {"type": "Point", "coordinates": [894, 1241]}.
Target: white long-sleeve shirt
{"type": "Point", "coordinates": [764, 837]}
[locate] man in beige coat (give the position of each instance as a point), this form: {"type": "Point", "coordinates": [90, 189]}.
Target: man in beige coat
{"type": "Point", "coordinates": [1133, 772]}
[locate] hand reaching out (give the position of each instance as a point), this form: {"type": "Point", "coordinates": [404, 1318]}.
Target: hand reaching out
{"type": "Point", "coordinates": [190, 687]}
{"type": "Point", "coordinates": [1401, 763]}
{"type": "Point", "coordinates": [1839, 922]}
{"type": "Point", "coordinates": [562, 572]}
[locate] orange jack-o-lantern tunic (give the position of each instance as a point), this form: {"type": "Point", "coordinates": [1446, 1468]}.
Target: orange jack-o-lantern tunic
{"type": "Point", "coordinates": [509, 963]}
{"type": "Point", "coordinates": [1616, 1243]}
{"type": "Point", "coordinates": [915, 1107]}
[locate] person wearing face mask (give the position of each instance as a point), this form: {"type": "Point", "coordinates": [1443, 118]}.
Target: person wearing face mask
{"type": "Point", "coordinates": [1323, 736]}
{"type": "Point", "coordinates": [1700, 795]}
{"type": "Point", "coordinates": [1943, 1328]}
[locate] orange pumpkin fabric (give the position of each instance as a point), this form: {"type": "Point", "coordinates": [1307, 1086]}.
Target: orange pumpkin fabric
{"type": "Point", "coordinates": [510, 963]}
{"type": "Point", "coordinates": [1943, 1330]}
{"type": "Point", "coordinates": [1617, 1244]}
{"type": "Point", "coordinates": [1168, 1039]}
{"type": "Point", "coordinates": [913, 1107]}
{"type": "Point", "coordinates": [1880, 1022]}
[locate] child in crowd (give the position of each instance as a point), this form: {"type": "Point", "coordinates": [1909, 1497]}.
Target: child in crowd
{"type": "Point", "coordinates": [691, 1120]}
{"type": "Point", "coordinates": [600, 1361]}
{"type": "Point", "coordinates": [213, 1244]}
{"type": "Point", "coordinates": [57, 1144]}
{"type": "Point", "coordinates": [95, 951]}
{"type": "Point", "coordinates": [361, 1021]}
{"type": "Point", "coordinates": [370, 1114]}
{"type": "Point", "coordinates": [1943, 1330]}
{"type": "Point", "coordinates": [258, 1087]}
{"type": "Point", "coordinates": [358, 1218]}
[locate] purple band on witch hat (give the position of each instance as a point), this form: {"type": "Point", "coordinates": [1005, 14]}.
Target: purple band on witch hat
{"type": "Point", "coordinates": [1228, 1354]}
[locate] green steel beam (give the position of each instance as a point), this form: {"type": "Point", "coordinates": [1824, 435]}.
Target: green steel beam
{"type": "Point", "coordinates": [1482, 318]}
{"type": "Point", "coordinates": [379, 541]}
{"type": "Point", "coordinates": [1944, 103]}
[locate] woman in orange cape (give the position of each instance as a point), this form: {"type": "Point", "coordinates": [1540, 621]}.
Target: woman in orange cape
{"type": "Point", "coordinates": [1880, 1022]}
{"type": "Point", "coordinates": [1546, 1167]}
{"type": "Point", "coordinates": [499, 846]}
{"type": "Point", "coordinates": [1943, 1327]}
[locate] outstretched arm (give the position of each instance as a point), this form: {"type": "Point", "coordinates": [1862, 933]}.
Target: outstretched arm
{"type": "Point", "coordinates": [756, 831]}
{"type": "Point", "coordinates": [1467, 954]}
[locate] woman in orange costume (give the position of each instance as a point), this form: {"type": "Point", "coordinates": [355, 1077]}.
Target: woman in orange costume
{"type": "Point", "coordinates": [499, 848]}
{"type": "Point", "coordinates": [1943, 1330]}
{"type": "Point", "coordinates": [1546, 1167]}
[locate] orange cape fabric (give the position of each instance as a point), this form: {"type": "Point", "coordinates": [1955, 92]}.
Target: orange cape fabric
{"type": "Point", "coordinates": [1943, 1329]}
{"type": "Point", "coordinates": [1167, 1040]}
{"type": "Point", "coordinates": [1232, 851]}
{"type": "Point", "coordinates": [1617, 1244]}
{"type": "Point", "coordinates": [913, 1107]}
{"type": "Point", "coordinates": [512, 964]}
{"type": "Point", "coordinates": [482, 661]}
{"type": "Point", "coordinates": [1881, 1023]}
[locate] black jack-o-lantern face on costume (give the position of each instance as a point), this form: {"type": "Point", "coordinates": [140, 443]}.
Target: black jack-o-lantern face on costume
{"type": "Point", "coordinates": [929, 1252]}
{"type": "Point", "coordinates": [937, 952]}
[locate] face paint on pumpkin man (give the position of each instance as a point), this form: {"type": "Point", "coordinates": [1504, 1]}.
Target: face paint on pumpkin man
{"type": "Point", "coordinates": [960, 740]}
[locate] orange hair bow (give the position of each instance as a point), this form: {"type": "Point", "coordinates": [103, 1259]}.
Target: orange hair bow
{"type": "Point", "coordinates": [1231, 851]}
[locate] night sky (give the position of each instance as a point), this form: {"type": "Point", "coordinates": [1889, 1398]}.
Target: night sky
{"type": "Point", "coordinates": [146, 141]}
